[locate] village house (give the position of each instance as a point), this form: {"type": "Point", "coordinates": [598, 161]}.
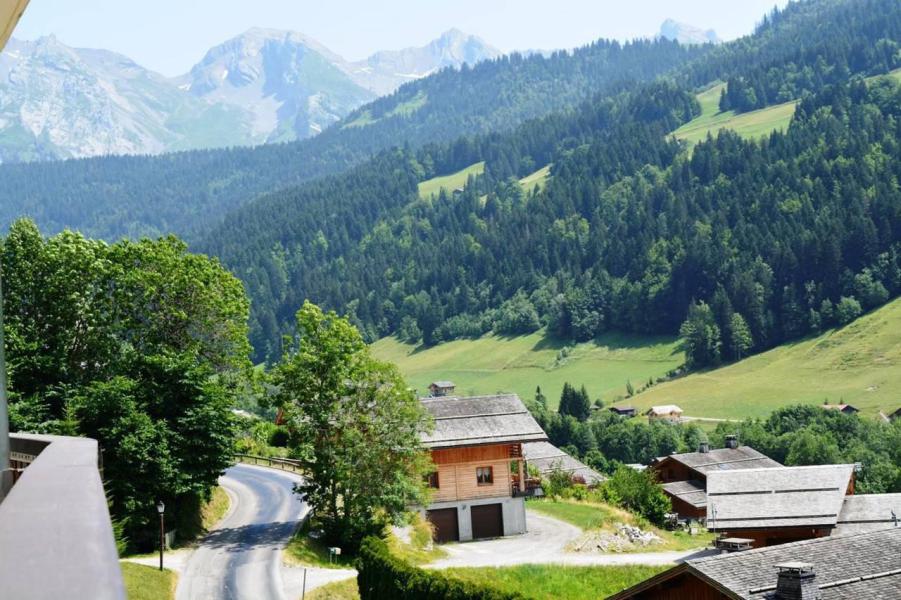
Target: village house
{"type": "Point", "coordinates": [842, 408]}
{"type": "Point", "coordinates": [548, 458]}
{"type": "Point", "coordinates": [473, 444]}
{"type": "Point", "coordinates": [775, 506]}
{"type": "Point", "coordinates": [441, 388]}
{"type": "Point", "coordinates": [684, 476]}
{"type": "Point", "coordinates": [624, 411]}
{"type": "Point", "coordinates": [868, 512]}
{"type": "Point", "coordinates": [860, 566]}
{"type": "Point", "coordinates": [667, 412]}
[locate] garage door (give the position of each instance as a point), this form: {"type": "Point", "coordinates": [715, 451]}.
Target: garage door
{"type": "Point", "coordinates": [487, 521]}
{"type": "Point", "coordinates": [445, 522]}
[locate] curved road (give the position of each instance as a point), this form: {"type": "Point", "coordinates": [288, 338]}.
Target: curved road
{"type": "Point", "coordinates": [241, 558]}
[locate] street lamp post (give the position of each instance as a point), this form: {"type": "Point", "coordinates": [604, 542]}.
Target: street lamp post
{"type": "Point", "coordinates": [161, 508]}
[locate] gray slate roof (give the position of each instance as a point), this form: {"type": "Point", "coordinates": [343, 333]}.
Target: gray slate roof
{"type": "Point", "coordinates": [443, 384]}
{"type": "Point", "coordinates": [547, 457]}
{"type": "Point", "coordinates": [858, 566]}
{"type": "Point", "coordinates": [692, 492]}
{"type": "Point", "coordinates": [869, 512]}
{"type": "Point", "coordinates": [784, 497]}
{"type": "Point", "coordinates": [724, 459]}
{"type": "Point", "coordinates": [480, 420]}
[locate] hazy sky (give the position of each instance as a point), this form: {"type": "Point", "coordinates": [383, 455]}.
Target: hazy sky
{"type": "Point", "coordinates": [169, 36]}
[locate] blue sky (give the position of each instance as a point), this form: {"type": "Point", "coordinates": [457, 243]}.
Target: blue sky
{"type": "Point", "coordinates": [169, 36]}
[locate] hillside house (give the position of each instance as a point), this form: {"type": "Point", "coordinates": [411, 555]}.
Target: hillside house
{"type": "Point", "coordinates": [474, 442]}
{"type": "Point", "coordinates": [548, 458]}
{"type": "Point", "coordinates": [846, 409]}
{"type": "Point", "coordinates": [441, 388]}
{"type": "Point", "coordinates": [775, 506]}
{"type": "Point", "coordinates": [624, 411]}
{"type": "Point", "coordinates": [866, 565]}
{"type": "Point", "coordinates": [667, 412]}
{"type": "Point", "coordinates": [684, 476]}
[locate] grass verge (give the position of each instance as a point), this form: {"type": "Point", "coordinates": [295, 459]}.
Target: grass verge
{"type": "Point", "coordinates": [339, 590]}
{"type": "Point", "coordinates": [213, 511]}
{"type": "Point", "coordinates": [306, 551]}
{"type": "Point", "coordinates": [148, 583]}
{"type": "Point", "coordinates": [547, 582]}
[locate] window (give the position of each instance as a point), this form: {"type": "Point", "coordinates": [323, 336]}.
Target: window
{"type": "Point", "coordinates": [432, 480]}
{"type": "Point", "coordinates": [485, 475]}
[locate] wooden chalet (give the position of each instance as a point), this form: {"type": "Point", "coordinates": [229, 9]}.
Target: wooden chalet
{"type": "Point", "coordinates": [474, 442]}
{"type": "Point", "coordinates": [861, 566]}
{"type": "Point", "coordinates": [548, 458]}
{"type": "Point", "coordinates": [775, 506]}
{"type": "Point", "coordinates": [846, 409]}
{"type": "Point", "coordinates": [684, 476]}
{"type": "Point", "coordinates": [442, 388]}
{"type": "Point", "coordinates": [668, 412]}
{"type": "Point", "coordinates": [624, 411]}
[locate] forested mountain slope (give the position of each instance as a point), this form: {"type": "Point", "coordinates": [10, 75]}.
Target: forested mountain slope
{"type": "Point", "coordinates": [626, 233]}
{"type": "Point", "coordinates": [189, 192]}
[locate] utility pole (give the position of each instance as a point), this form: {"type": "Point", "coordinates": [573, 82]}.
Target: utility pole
{"type": "Point", "coordinates": [6, 475]}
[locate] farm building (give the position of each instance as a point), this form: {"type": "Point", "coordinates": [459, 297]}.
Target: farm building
{"type": "Point", "coordinates": [441, 388]}
{"type": "Point", "coordinates": [667, 412]}
{"type": "Point", "coordinates": [624, 411]}
{"type": "Point", "coordinates": [866, 565]}
{"type": "Point", "coordinates": [842, 408]}
{"type": "Point", "coordinates": [773, 506]}
{"type": "Point", "coordinates": [474, 442]}
{"type": "Point", "coordinates": [684, 476]}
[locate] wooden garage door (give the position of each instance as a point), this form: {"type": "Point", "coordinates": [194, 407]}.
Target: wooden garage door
{"type": "Point", "coordinates": [445, 522]}
{"type": "Point", "coordinates": [487, 521]}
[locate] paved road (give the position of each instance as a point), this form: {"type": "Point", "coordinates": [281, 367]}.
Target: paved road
{"type": "Point", "coordinates": [241, 558]}
{"type": "Point", "coordinates": [545, 543]}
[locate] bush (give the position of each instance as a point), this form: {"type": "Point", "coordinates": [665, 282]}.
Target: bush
{"type": "Point", "coordinates": [382, 575]}
{"type": "Point", "coordinates": [638, 492]}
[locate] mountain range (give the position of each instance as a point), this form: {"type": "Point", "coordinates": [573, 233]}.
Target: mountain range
{"type": "Point", "coordinates": [262, 86]}
{"type": "Point", "coordinates": [688, 34]}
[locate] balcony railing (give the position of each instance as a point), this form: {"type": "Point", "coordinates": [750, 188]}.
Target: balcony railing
{"type": "Point", "coordinates": [56, 538]}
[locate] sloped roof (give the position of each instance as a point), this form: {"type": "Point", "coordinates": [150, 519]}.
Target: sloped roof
{"type": "Point", "coordinates": [724, 459]}
{"type": "Point", "coordinates": [869, 512]}
{"type": "Point", "coordinates": [784, 497]}
{"type": "Point", "coordinates": [548, 457]}
{"type": "Point", "coordinates": [858, 566]}
{"type": "Point", "coordinates": [664, 409]}
{"type": "Point", "coordinates": [443, 384]}
{"type": "Point", "coordinates": [479, 420]}
{"type": "Point", "coordinates": [692, 492]}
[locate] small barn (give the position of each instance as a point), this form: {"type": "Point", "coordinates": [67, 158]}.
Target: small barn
{"type": "Point", "coordinates": [441, 388]}
{"type": "Point", "coordinates": [667, 412]}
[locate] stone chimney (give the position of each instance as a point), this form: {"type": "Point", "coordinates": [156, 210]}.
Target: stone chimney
{"type": "Point", "coordinates": [796, 581]}
{"type": "Point", "coordinates": [731, 442]}
{"type": "Point", "coordinates": [704, 447]}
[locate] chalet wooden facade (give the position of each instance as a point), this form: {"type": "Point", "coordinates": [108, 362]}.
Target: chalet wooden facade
{"type": "Point", "coordinates": [476, 494]}
{"type": "Point", "coordinates": [668, 412]}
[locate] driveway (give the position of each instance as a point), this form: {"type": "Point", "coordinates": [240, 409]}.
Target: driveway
{"type": "Point", "coordinates": [241, 558]}
{"type": "Point", "coordinates": [545, 543]}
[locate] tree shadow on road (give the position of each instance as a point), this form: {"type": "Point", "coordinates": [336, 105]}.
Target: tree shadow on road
{"type": "Point", "coordinates": [251, 537]}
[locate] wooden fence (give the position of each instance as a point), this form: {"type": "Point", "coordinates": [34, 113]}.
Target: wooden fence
{"type": "Point", "coordinates": [285, 464]}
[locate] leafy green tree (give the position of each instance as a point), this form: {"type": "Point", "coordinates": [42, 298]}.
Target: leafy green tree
{"type": "Point", "coordinates": [354, 423]}
{"type": "Point", "coordinates": [847, 309]}
{"type": "Point", "coordinates": [811, 448]}
{"type": "Point", "coordinates": [540, 398]}
{"type": "Point", "coordinates": [700, 337]}
{"type": "Point", "coordinates": [740, 340]}
{"type": "Point", "coordinates": [638, 492]}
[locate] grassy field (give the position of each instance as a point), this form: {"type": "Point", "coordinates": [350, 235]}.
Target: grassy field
{"type": "Point", "coordinates": [148, 583]}
{"type": "Point", "coordinates": [494, 364]}
{"type": "Point", "coordinates": [547, 582]}
{"type": "Point", "coordinates": [538, 178]}
{"type": "Point", "coordinates": [537, 582]}
{"type": "Point", "coordinates": [858, 364]}
{"type": "Point", "coordinates": [593, 515]}
{"type": "Point", "coordinates": [753, 124]}
{"type": "Point", "coordinates": [450, 182]}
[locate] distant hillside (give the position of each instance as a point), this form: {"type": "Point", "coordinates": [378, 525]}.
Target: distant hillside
{"type": "Point", "coordinates": [187, 193]}
{"type": "Point", "coordinates": [859, 364]}
{"type": "Point", "coordinates": [520, 363]}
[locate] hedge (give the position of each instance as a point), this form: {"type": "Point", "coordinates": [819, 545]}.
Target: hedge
{"type": "Point", "coordinates": [383, 576]}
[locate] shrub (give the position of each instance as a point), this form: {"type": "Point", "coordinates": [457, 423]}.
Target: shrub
{"type": "Point", "coordinates": [382, 575]}
{"type": "Point", "coordinates": [638, 492]}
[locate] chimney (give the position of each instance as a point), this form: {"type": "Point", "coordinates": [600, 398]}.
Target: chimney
{"type": "Point", "coordinates": [704, 447]}
{"type": "Point", "coordinates": [796, 581]}
{"type": "Point", "coordinates": [731, 442]}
